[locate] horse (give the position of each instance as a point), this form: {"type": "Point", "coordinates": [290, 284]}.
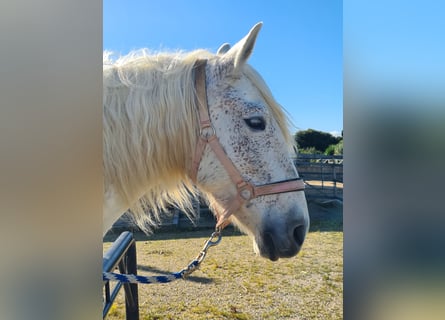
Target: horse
{"type": "Point", "coordinates": [179, 124]}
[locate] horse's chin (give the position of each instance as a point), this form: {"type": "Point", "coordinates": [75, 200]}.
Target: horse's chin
{"type": "Point", "coordinates": [266, 251]}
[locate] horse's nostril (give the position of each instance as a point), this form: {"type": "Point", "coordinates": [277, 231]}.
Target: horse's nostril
{"type": "Point", "coordinates": [299, 234]}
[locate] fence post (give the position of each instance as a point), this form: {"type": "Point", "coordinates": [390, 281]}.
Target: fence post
{"type": "Point", "coordinates": [122, 253]}
{"type": "Point", "coordinates": [334, 166]}
{"type": "Point", "coordinates": [131, 289]}
{"type": "Point", "coordinates": [322, 175]}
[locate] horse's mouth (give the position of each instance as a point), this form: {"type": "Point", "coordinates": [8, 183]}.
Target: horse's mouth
{"type": "Point", "coordinates": [272, 248]}
{"type": "Point", "coordinates": [268, 249]}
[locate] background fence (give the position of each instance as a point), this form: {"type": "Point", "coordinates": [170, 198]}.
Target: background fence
{"type": "Point", "coordinates": [322, 174]}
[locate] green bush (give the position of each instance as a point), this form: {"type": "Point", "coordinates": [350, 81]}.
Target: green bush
{"type": "Point", "coordinates": [330, 151]}
{"type": "Point", "coordinates": [310, 150]}
{"type": "Point", "coordinates": [339, 148]}
{"type": "Point", "coordinates": [334, 149]}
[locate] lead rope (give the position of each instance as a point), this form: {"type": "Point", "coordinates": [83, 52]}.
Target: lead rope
{"type": "Point", "coordinates": [214, 240]}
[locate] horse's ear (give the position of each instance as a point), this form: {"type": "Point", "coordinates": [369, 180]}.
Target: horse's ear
{"type": "Point", "coordinates": [241, 51]}
{"type": "Point", "coordinates": [223, 49]}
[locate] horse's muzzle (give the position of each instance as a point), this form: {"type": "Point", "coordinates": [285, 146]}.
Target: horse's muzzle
{"type": "Point", "coordinates": [282, 240]}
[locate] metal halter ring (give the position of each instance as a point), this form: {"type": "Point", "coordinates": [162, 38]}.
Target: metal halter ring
{"type": "Point", "coordinates": [211, 133]}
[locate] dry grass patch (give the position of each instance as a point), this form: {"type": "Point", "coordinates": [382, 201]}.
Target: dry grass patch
{"type": "Point", "coordinates": [234, 283]}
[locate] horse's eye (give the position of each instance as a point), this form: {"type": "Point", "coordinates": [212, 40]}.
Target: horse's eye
{"type": "Point", "coordinates": [256, 123]}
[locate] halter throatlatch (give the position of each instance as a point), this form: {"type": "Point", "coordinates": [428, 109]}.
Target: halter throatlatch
{"type": "Point", "coordinates": [245, 190]}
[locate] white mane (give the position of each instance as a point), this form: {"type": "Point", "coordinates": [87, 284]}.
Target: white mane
{"type": "Point", "coordinates": [150, 132]}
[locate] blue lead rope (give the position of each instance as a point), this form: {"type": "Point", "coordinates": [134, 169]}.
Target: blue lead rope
{"type": "Point", "coordinates": [132, 278]}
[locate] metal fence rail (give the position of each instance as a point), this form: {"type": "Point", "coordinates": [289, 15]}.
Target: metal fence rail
{"type": "Point", "coordinates": [122, 254]}
{"type": "Point", "coordinates": [323, 175]}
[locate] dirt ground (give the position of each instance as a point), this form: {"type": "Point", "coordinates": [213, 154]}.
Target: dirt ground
{"type": "Point", "coordinates": [324, 183]}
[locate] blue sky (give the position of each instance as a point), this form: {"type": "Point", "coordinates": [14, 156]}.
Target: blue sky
{"type": "Point", "coordinates": [396, 46]}
{"type": "Point", "coordinates": [298, 51]}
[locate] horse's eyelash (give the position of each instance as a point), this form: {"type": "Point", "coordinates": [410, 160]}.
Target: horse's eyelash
{"type": "Point", "coordinates": [257, 123]}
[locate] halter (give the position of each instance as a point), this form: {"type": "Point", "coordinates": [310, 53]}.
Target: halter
{"type": "Point", "coordinates": [245, 190]}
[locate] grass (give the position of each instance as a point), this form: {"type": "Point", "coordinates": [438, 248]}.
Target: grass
{"type": "Point", "coordinates": [234, 283]}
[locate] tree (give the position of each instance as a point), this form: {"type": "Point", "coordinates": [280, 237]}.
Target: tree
{"type": "Point", "coordinates": [316, 139]}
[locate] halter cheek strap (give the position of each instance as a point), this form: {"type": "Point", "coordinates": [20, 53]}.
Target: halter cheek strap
{"type": "Point", "coordinates": [245, 190]}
